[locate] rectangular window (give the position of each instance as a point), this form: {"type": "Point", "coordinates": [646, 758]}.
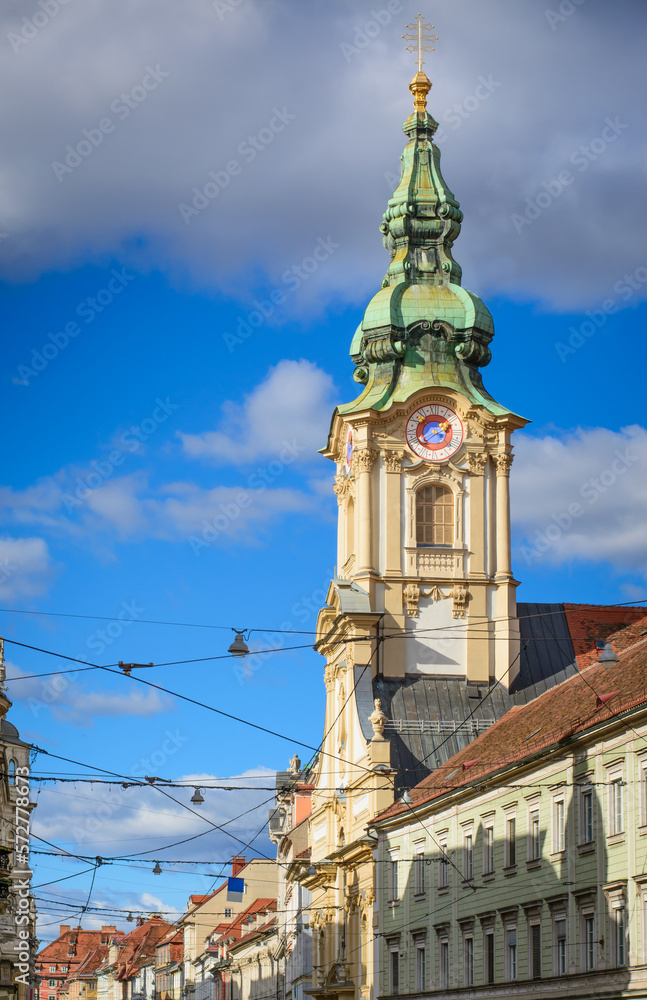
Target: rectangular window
{"type": "Point", "coordinates": [64, 968]}
{"type": "Point", "coordinates": [643, 793]}
{"type": "Point", "coordinates": [488, 951]}
{"type": "Point", "coordinates": [589, 942]}
{"type": "Point", "coordinates": [52, 968]}
{"type": "Point", "coordinates": [560, 946]}
{"type": "Point", "coordinates": [488, 850]}
{"type": "Point", "coordinates": [228, 912]}
{"type": "Point", "coordinates": [420, 881]}
{"type": "Point", "coordinates": [394, 887]}
{"type": "Point", "coordinates": [52, 982]}
{"type": "Point", "coordinates": [620, 935]}
{"type": "Point", "coordinates": [616, 806]}
{"type": "Point", "coordinates": [511, 841]}
{"type": "Point", "coordinates": [535, 951]}
{"type": "Point", "coordinates": [534, 836]}
{"type": "Point", "coordinates": [511, 953]}
{"type": "Point", "coordinates": [421, 967]}
{"type": "Point", "coordinates": [394, 970]}
{"type": "Point", "coordinates": [468, 961]}
{"type": "Point", "coordinates": [586, 816]}
{"type": "Point", "coordinates": [468, 856]}
{"type": "Point", "coordinates": [444, 964]}
{"type": "Point", "coordinates": [559, 826]}
{"type": "Point", "coordinates": [443, 866]}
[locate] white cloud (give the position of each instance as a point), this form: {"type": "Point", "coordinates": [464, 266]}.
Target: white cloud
{"type": "Point", "coordinates": [287, 414]}
{"type": "Point", "coordinates": [109, 820]}
{"type": "Point", "coordinates": [69, 700]}
{"type": "Point", "coordinates": [320, 175]}
{"type": "Point", "coordinates": [279, 425]}
{"type": "Point", "coordinates": [581, 496]}
{"type": "Point", "coordinates": [25, 567]}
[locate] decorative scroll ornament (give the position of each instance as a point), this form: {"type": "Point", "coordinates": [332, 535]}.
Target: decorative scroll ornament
{"type": "Point", "coordinates": [412, 594]}
{"type": "Point", "coordinates": [411, 597]}
{"type": "Point", "coordinates": [378, 720]}
{"type": "Point", "coordinates": [503, 463]}
{"type": "Point", "coordinates": [364, 460]}
{"type": "Point", "coordinates": [393, 460]}
{"type": "Point", "coordinates": [477, 463]}
{"type": "Point", "coordinates": [460, 597]}
{"type": "Point", "coordinates": [344, 488]}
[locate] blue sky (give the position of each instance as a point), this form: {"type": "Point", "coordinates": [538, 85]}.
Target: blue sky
{"type": "Point", "coordinates": [146, 392]}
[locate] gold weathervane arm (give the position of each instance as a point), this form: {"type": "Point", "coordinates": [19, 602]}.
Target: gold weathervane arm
{"type": "Point", "coordinates": [420, 39]}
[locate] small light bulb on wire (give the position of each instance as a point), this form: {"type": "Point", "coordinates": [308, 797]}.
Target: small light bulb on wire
{"type": "Point", "coordinates": [197, 798]}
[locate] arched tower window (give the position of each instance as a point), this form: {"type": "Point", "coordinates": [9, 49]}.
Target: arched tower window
{"type": "Point", "coordinates": [11, 772]}
{"type": "Point", "coordinates": [435, 516]}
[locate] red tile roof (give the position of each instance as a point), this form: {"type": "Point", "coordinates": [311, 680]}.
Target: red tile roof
{"type": "Point", "coordinates": [255, 933]}
{"type": "Point", "coordinates": [138, 948]}
{"type": "Point", "coordinates": [561, 712]}
{"type": "Point", "coordinates": [588, 623]}
{"type": "Point", "coordinates": [87, 967]}
{"type": "Point", "coordinates": [74, 940]}
{"type": "Point", "coordinates": [234, 927]}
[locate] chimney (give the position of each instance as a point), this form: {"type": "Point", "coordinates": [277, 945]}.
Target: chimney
{"type": "Point", "coordinates": [238, 862]}
{"type": "Point", "coordinates": [65, 929]}
{"type": "Point", "coordinates": [109, 929]}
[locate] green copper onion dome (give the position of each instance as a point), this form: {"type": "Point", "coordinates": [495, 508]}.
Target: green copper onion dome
{"type": "Point", "coordinates": [422, 328]}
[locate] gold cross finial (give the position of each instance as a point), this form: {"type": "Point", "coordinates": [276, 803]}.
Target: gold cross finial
{"type": "Point", "coordinates": [420, 39]}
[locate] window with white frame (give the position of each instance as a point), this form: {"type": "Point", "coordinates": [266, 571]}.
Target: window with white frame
{"type": "Point", "coordinates": [52, 982]}
{"type": "Point", "coordinates": [534, 834]}
{"type": "Point", "coordinates": [615, 791]}
{"type": "Point", "coordinates": [534, 949]}
{"type": "Point", "coordinates": [468, 854]}
{"type": "Point", "coordinates": [420, 886]}
{"type": "Point", "coordinates": [468, 960]}
{"type": "Point", "coordinates": [394, 968]}
{"type": "Point", "coordinates": [510, 841]}
{"type": "Point", "coordinates": [52, 968]}
{"type": "Point", "coordinates": [228, 912]}
{"type": "Point", "coordinates": [586, 815]}
{"type": "Point", "coordinates": [394, 877]}
{"type": "Point", "coordinates": [488, 955]}
{"type": "Point", "coordinates": [643, 791]}
{"type": "Point", "coordinates": [443, 963]}
{"type": "Point", "coordinates": [511, 952]}
{"type": "Point", "coordinates": [421, 965]}
{"type": "Point", "coordinates": [443, 864]}
{"type": "Point", "coordinates": [488, 848]}
{"type": "Point", "coordinates": [559, 944]}
{"type": "Point", "coordinates": [64, 968]}
{"type": "Point", "coordinates": [620, 935]}
{"type": "Point", "coordinates": [587, 938]}
{"type": "Point", "coordinates": [559, 825]}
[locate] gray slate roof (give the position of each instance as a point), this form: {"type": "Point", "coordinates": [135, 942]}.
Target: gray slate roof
{"type": "Point", "coordinates": [432, 718]}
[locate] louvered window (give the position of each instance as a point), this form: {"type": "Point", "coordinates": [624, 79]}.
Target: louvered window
{"type": "Point", "coordinates": [435, 516]}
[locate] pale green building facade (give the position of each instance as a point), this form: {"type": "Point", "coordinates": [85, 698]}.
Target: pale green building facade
{"type": "Point", "coordinates": [523, 871]}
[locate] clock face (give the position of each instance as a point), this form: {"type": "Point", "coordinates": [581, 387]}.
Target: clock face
{"type": "Point", "coordinates": [434, 432]}
{"type": "Point", "coordinates": [348, 451]}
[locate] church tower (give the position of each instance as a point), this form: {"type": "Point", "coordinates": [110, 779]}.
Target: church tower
{"type": "Point", "coordinates": [423, 454]}
{"type": "Point", "coordinates": [420, 630]}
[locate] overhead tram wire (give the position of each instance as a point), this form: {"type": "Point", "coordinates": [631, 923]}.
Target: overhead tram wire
{"type": "Point", "coordinates": [484, 635]}
{"type": "Point", "coordinates": [209, 708]}
{"type": "Point", "coordinates": [227, 628]}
